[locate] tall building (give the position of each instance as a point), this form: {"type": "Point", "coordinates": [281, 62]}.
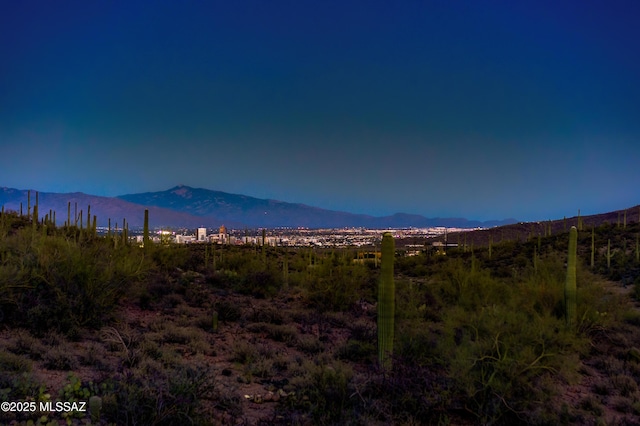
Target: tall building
{"type": "Point", "coordinates": [223, 237]}
{"type": "Point", "coordinates": [202, 234]}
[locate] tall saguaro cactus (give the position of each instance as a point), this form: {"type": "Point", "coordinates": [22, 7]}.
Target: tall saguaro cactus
{"type": "Point", "coordinates": [570, 284]}
{"type": "Point", "coordinates": [579, 221]}
{"type": "Point", "coordinates": [386, 302]}
{"type": "Point", "coordinates": [145, 231]}
{"type": "Point", "coordinates": [35, 211]}
{"type": "Point", "coordinates": [593, 246]}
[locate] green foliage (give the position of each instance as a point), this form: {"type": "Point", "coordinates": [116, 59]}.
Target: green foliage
{"type": "Point", "coordinates": [501, 340]}
{"type": "Point", "coordinates": [336, 287]}
{"type": "Point", "coordinates": [76, 390]}
{"type": "Point", "coordinates": [54, 282]}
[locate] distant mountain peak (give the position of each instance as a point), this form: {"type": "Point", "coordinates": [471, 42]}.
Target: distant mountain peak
{"type": "Point", "coordinates": [183, 191]}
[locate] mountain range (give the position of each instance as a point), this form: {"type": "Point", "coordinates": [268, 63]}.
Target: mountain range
{"type": "Point", "coordinates": [183, 206]}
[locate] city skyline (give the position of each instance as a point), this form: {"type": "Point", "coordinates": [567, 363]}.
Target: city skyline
{"type": "Point", "coordinates": [483, 111]}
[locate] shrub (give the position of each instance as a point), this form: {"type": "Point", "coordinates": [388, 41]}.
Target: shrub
{"type": "Point", "coordinates": [260, 284]}
{"type": "Point", "coordinates": [310, 345]}
{"type": "Point", "coordinates": [59, 358]}
{"type": "Point", "coordinates": [179, 335]}
{"type": "Point", "coordinates": [173, 397]}
{"type": "Point", "coordinates": [280, 333]}
{"type": "Point", "coordinates": [94, 355]}
{"type": "Point", "coordinates": [26, 344]}
{"type": "Point", "coordinates": [14, 363]}
{"type": "Point", "coordinates": [324, 392]}
{"type": "Point", "coordinates": [357, 351]}
{"type": "Point", "coordinates": [244, 353]}
{"type": "Point", "coordinates": [227, 311]}
{"type": "Point", "coordinates": [624, 384]}
{"type": "Point", "coordinates": [268, 314]}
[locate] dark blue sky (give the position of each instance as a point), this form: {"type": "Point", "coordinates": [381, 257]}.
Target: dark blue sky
{"type": "Point", "coordinates": [472, 109]}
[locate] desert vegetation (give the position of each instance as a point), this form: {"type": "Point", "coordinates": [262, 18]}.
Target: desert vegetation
{"type": "Point", "coordinates": [217, 334]}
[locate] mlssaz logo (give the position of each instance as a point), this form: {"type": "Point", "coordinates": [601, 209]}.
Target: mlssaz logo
{"type": "Point", "coordinates": [66, 406]}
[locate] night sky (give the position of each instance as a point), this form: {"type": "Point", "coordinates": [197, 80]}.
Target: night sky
{"type": "Point", "coordinates": [476, 109]}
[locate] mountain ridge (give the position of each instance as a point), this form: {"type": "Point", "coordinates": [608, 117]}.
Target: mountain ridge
{"type": "Point", "coordinates": [274, 213]}
{"type": "Point", "coordinates": [184, 206]}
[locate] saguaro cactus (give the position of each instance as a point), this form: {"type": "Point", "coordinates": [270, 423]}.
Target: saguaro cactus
{"type": "Point", "coordinates": [593, 246]}
{"type": "Point", "coordinates": [386, 302]}
{"type": "Point", "coordinates": [145, 231]}
{"type": "Point", "coordinates": [35, 211]}
{"type": "Point", "coordinates": [579, 221]}
{"type": "Point", "coordinates": [570, 284]}
{"type": "Point", "coordinates": [95, 405]}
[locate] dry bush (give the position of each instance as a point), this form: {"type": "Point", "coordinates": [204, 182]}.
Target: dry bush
{"type": "Point", "coordinates": [60, 358]}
